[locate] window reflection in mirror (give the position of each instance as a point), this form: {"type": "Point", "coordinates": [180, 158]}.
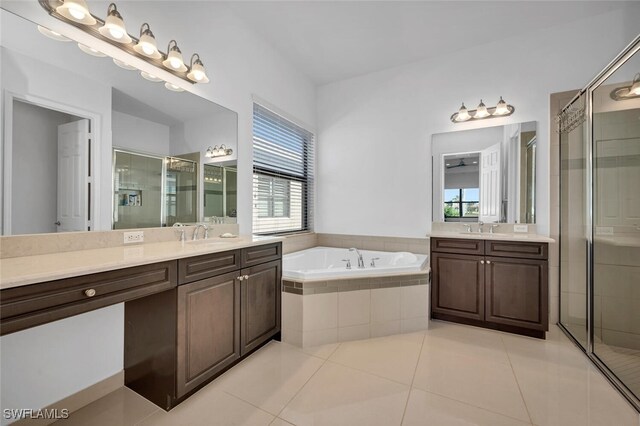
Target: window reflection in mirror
{"type": "Point", "coordinates": [486, 174]}
{"type": "Point", "coordinates": [220, 193]}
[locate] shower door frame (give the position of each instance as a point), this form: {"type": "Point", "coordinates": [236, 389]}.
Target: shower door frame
{"type": "Point", "coordinates": [628, 52]}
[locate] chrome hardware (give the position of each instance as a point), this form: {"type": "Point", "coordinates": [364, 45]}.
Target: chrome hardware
{"type": "Point", "coordinates": [240, 278]}
{"type": "Point", "coordinates": [373, 261]}
{"type": "Point", "coordinates": [90, 292]}
{"type": "Point", "coordinates": [182, 234]}
{"type": "Point", "coordinates": [488, 261]}
{"type": "Point", "coordinates": [195, 231]}
{"type": "Point", "coordinates": [57, 223]}
{"type": "Point", "coordinates": [482, 261]}
{"type": "Point", "coordinates": [480, 225]}
{"type": "Point", "coordinates": [246, 277]}
{"type": "Point", "coordinates": [348, 263]}
{"type": "Point", "coordinates": [492, 227]}
{"type": "Point", "coordinates": [468, 227]}
{"type": "Point", "coordinates": [360, 259]}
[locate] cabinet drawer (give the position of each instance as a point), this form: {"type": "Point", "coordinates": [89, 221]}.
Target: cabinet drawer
{"type": "Point", "coordinates": [206, 266]}
{"type": "Point", "coordinates": [31, 305]}
{"type": "Point", "coordinates": [455, 245]}
{"type": "Point", "coordinates": [261, 254]}
{"type": "Point", "coordinates": [527, 250]}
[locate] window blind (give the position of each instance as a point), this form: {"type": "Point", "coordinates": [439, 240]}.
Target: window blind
{"type": "Point", "coordinates": [283, 163]}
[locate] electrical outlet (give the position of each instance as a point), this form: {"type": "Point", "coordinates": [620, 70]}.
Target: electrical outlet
{"type": "Point", "coordinates": [133, 237]}
{"type": "Point", "coordinates": [520, 228]}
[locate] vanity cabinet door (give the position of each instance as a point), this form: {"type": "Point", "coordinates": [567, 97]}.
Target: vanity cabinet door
{"type": "Point", "coordinates": [208, 333]}
{"type": "Point", "coordinates": [517, 292]}
{"type": "Point", "coordinates": [458, 285]}
{"type": "Point", "coordinates": [261, 296]}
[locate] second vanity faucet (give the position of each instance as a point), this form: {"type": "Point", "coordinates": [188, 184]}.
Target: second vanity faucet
{"type": "Point", "coordinates": [360, 259]}
{"type": "Point", "coordinates": [206, 231]}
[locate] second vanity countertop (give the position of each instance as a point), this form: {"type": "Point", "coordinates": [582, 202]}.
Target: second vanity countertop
{"type": "Point", "coordinates": [523, 237]}
{"type": "Point", "coordinates": [19, 271]}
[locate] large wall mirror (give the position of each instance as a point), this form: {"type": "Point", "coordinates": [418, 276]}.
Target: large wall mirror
{"type": "Point", "coordinates": [486, 174]}
{"type": "Point", "coordinates": [88, 145]}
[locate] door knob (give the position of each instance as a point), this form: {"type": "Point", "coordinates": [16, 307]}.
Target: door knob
{"type": "Point", "coordinates": [482, 261]}
{"type": "Point", "coordinates": [57, 223]}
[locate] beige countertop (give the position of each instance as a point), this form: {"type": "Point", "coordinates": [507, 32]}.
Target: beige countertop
{"type": "Point", "coordinates": [19, 271]}
{"type": "Point", "coordinates": [534, 238]}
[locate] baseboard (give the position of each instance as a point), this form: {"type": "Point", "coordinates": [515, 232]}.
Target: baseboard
{"type": "Point", "coordinates": [80, 399]}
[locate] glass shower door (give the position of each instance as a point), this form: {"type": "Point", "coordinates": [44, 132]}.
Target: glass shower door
{"type": "Point", "coordinates": [616, 223]}
{"type": "Point", "coordinates": [573, 219]}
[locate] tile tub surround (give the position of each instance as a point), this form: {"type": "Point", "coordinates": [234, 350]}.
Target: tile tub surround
{"type": "Point", "coordinates": [315, 313]}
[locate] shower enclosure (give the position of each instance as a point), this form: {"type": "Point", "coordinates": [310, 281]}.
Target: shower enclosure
{"type": "Point", "coordinates": [600, 221]}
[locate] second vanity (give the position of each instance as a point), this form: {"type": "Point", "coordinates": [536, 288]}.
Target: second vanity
{"type": "Point", "coordinates": [192, 310]}
{"type": "Point", "coordinates": [497, 281]}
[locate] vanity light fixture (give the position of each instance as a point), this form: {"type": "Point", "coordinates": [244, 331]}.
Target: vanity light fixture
{"type": "Point", "coordinates": [197, 72]}
{"type": "Point", "coordinates": [218, 151]}
{"type": "Point", "coordinates": [112, 30]}
{"type": "Point", "coordinates": [76, 11]}
{"type": "Point", "coordinates": [627, 92]}
{"type": "Point", "coordinates": [502, 109]}
{"type": "Point", "coordinates": [124, 65]}
{"type": "Point", "coordinates": [147, 45]}
{"type": "Point", "coordinates": [174, 59]}
{"type": "Point", "coordinates": [173, 87]}
{"type": "Point", "coordinates": [113, 27]}
{"type": "Point", "coordinates": [91, 51]}
{"type": "Point", "coordinates": [150, 77]}
{"type": "Point", "coordinates": [52, 34]}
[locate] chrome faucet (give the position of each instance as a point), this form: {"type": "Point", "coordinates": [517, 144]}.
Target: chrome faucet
{"type": "Point", "coordinates": [206, 231]}
{"type": "Point", "coordinates": [181, 226]}
{"type": "Point", "coordinates": [468, 227]}
{"type": "Point", "coordinates": [360, 259]}
{"type": "Point", "coordinates": [492, 227]}
{"type": "Point", "coordinates": [480, 224]}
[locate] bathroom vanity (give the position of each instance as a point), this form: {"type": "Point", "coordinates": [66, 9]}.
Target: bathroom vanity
{"type": "Point", "coordinates": [494, 283]}
{"type": "Point", "coordinates": [188, 318]}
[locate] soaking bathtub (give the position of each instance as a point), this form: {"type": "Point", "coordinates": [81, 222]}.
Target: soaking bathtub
{"type": "Point", "coordinates": [323, 263]}
{"type": "Point", "coordinates": [324, 302]}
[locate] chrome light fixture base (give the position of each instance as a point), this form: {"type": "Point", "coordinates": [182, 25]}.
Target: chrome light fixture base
{"type": "Point", "coordinates": [218, 151]}
{"type": "Point", "coordinates": [463, 115]}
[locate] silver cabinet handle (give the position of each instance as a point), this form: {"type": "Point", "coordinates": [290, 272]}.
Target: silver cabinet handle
{"type": "Point", "coordinates": [240, 278]}
{"type": "Point", "coordinates": [482, 261]}
{"type": "Point", "coordinates": [90, 292]}
{"type": "Point", "coordinates": [246, 277]}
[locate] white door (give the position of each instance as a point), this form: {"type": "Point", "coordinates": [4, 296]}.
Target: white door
{"type": "Point", "coordinates": [490, 193]}
{"type": "Point", "coordinates": [73, 164]}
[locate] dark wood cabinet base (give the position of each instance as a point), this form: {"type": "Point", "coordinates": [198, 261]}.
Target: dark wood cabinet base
{"type": "Point", "coordinates": [538, 334]}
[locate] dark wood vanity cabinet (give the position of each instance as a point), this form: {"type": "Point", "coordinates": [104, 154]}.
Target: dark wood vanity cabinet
{"type": "Point", "coordinates": [225, 306]}
{"type": "Point", "coordinates": [503, 285]}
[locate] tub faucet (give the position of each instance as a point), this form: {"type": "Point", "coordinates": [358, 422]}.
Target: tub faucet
{"type": "Point", "coordinates": [360, 259]}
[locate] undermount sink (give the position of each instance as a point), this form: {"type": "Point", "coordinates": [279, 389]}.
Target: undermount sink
{"type": "Point", "coordinates": [207, 241]}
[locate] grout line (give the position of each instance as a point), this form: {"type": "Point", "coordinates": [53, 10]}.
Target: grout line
{"type": "Point", "coordinates": [516, 379]}
{"type": "Point", "coordinates": [303, 386]}
{"type": "Point", "coordinates": [415, 370]}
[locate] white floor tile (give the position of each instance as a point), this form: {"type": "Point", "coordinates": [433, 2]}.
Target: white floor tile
{"type": "Point", "coordinates": [338, 395]}
{"type": "Point", "coordinates": [431, 409]}
{"type": "Point", "coordinates": [270, 377]}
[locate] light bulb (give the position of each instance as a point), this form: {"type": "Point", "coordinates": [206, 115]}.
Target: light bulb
{"type": "Point", "coordinates": [197, 72]}
{"type": "Point", "coordinates": [77, 13]}
{"type": "Point", "coordinates": [147, 43]}
{"type": "Point", "coordinates": [175, 63]}
{"type": "Point", "coordinates": [481, 111]}
{"type": "Point", "coordinates": [148, 49]}
{"type": "Point", "coordinates": [463, 114]}
{"type": "Point", "coordinates": [116, 33]}
{"type": "Point", "coordinates": [174, 59]}
{"type": "Point", "coordinates": [113, 27]}
{"type": "Point", "coordinates": [501, 108]}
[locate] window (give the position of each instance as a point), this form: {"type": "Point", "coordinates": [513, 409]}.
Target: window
{"type": "Point", "coordinates": [283, 159]}
{"type": "Point", "coordinates": [461, 202]}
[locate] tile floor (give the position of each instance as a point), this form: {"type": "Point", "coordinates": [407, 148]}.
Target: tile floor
{"type": "Point", "coordinates": [448, 375]}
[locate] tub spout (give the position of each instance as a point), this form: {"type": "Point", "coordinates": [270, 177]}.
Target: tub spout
{"type": "Point", "coordinates": [360, 259]}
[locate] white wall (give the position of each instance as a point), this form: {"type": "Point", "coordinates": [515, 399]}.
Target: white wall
{"type": "Point", "coordinates": [383, 122]}
{"type": "Point", "coordinates": [138, 134]}
{"type": "Point", "coordinates": [34, 192]}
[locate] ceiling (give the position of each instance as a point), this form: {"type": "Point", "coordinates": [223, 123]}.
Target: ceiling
{"type": "Point", "coordinates": [335, 40]}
